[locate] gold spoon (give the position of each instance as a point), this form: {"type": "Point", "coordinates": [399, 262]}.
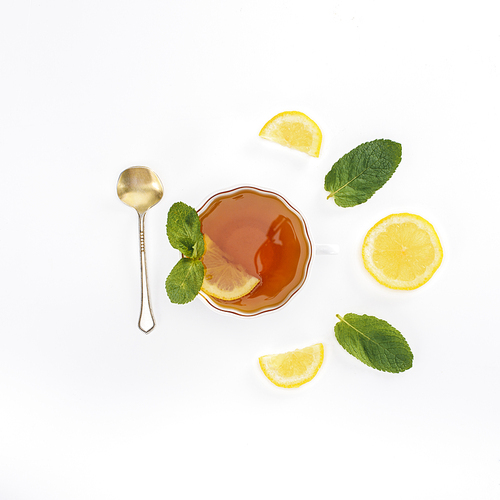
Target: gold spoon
{"type": "Point", "coordinates": [141, 188]}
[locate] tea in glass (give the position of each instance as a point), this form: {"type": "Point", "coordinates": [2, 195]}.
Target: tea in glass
{"type": "Point", "coordinates": [260, 231]}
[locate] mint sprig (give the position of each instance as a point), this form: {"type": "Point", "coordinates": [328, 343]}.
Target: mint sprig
{"type": "Point", "coordinates": [374, 342]}
{"type": "Point", "coordinates": [360, 173]}
{"type": "Point", "coordinates": [184, 234]}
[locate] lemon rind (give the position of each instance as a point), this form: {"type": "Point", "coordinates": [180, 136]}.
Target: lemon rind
{"type": "Point", "coordinates": [297, 116]}
{"type": "Point", "coordinates": [213, 290]}
{"type": "Point", "coordinates": [264, 362]}
{"type": "Point", "coordinates": [236, 294]}
{"type": "Point", "coordinates": [378, 228]}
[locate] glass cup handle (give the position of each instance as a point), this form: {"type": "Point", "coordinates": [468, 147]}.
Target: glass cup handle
{"type": "Point", "coordinates": [327, 249]}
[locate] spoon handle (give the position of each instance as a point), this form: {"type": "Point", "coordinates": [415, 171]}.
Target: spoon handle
{"type": "Point", "coordinates": [146, 318]}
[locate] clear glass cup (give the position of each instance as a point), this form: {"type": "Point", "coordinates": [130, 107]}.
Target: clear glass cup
{"type": "Point", "coordinates": [259, 229]}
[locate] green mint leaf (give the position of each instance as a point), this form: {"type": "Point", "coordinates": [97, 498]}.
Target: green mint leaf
{"type": "Point", "coordinates": [185, 280]}
{"type": "Point", "coordinates": [184, 233]}
{"type": "Point", "coordinates": [358, 174]}
{"type": "Point", "coordinates": [183, 230]}
{"type": "Point", "coordinates": [374, 342]}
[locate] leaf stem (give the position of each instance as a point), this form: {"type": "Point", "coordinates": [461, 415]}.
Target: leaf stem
{"type": "Point", "coordinates": [359, 331]}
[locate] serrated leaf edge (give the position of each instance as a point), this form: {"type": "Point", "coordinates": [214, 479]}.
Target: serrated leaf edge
{"type": "Point", "coordinates": [194, 257]}
{"type": "Point", "coordinates": [333, 193]}
{"type": "Point", "coordinates": [359, 331]}
{"type": "Point", "coordinates": [371, 340]}
{"type": "Point", "coordinates": [184, 280]}
{"type": "Point", "coordinates": [171, 233]}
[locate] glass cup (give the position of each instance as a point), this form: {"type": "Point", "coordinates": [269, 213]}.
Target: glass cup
{"type": "Point", "coordinates": [261, 231]}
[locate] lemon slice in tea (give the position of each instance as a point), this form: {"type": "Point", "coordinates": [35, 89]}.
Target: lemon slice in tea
{"type": "Point", "coordinates": [224, 279]}
{"type": "Point", "coordinates": [294, 130]}
{"type": "Point", "coordinates": [402, 251]}
{"type": "Point", "coordinates": [294, 368]}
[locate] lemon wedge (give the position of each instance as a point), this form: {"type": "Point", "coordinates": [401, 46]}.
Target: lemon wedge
{"type": "Point", "coordinates": [402, 251]}
{"type": "Point", "coordinates": [294, 130]}
{"type": "Point", "coordinates": [294, 368]}
{"type": "Point", "coordinates": [224, 279]}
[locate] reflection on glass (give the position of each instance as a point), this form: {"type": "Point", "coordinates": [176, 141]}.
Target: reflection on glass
{"type": "Point", "coordinates": [277, 258]}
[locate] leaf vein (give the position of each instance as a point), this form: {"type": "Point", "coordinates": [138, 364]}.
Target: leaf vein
{"type": "Point", "coordinates": [366, 336]}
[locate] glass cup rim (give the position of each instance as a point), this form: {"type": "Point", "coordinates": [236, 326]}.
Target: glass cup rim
{"type": "Point", "coordinates": [309, 240]}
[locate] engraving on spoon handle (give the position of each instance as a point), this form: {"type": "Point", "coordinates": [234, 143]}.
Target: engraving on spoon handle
{"type": "Point", "coordinates": [146, 318]}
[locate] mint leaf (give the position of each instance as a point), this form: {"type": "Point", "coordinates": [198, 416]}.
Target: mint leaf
{"type": "Point", "coordinates": [184, 230]}
{"type": "Point", "coordinates": [358, 174]}
{"type": "Point", "coordinates": [374, 342]}
{"type": "Point", "coordinates": [185, 280]}
{"type": "Point", "coordinates": [184, 233]}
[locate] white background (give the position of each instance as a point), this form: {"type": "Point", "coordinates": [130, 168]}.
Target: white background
{"type": "Point", "coordinates": [90, 407]}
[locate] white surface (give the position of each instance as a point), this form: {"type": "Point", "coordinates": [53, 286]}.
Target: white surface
{"type": "Point", "coordinates": [90, 407]}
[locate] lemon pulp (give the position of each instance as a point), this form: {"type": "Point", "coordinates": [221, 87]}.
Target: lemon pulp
{"type": "Point", "coordinates": [224, 279]}
{"type": "Point", "coordinates": [294, 368]}
{"type": "Point", "coordinates": [402, 251]}
{"type": "Point", "coordinates": [294, 130]}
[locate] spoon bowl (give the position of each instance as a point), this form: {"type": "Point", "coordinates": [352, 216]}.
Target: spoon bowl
{"type": "Point", "coordinates": [141, 188]}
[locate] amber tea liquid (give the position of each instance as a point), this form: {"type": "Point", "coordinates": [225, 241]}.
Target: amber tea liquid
{"type": "Point", "coordinates": [262, 232]}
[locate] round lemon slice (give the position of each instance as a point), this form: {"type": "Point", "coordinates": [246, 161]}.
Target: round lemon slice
{"type": "Point", "coordinates": [224, 279]}
{"type": "Point", "coordinates": [294, 368]}
{"type": "Point", "coordinates": [294, 130]}
{"type": "Point", "coordinates": [402, 251]}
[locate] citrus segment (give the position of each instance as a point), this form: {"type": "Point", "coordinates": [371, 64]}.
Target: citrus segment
{"type": "Point", "coordinates": [224, 279]}
{"type": "Point", "coordinates": [294, 368]}
{"type": "Point", "coordinates": [294, 130]}
{"type": "Point", "coordinates": [402, 251]}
